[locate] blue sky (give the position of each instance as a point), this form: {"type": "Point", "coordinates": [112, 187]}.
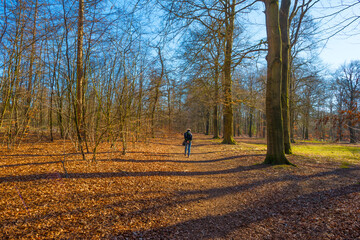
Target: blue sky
{"type": "Point", "coordinates": [345, 45]}
{"type": "Point", "coordinates": [341, 49]}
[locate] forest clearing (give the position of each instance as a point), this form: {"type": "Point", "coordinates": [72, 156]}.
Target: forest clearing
{"type": "Point", "coordinates": [95, 96]}
{"type": "Point", "coordinates": [155, 192]}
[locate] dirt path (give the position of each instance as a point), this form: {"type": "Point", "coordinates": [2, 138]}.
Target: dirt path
{"type": "Point", "coordinates": [155, 192]}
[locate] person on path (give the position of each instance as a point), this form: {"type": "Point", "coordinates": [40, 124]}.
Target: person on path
{"type": "Point", "coordinates": [188, 139]}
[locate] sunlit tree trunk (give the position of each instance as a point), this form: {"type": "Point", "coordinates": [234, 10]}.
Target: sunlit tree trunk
{"type": "Point", "coordinates": [228, 104]}
{"type": "Point", "coordinates": [275, 136]}
{"type": "Point", "coordinates": [79, 67]}
{"type": "Point", "coordinates": [79, 118]}
{"type": "Point", "coordinates": [284, 26]}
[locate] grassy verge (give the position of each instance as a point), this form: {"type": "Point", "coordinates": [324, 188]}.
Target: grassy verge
{"type": "Point", "coordinates": [332, 152]}
{"type": "Point", "coordinates": [341, 153]}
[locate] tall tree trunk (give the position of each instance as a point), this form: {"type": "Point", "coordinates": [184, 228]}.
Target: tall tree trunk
{"type": "Point", "coordinates": [80, 79]}
{"type": "Point", "coordinates": [79, 68]}
{"type": "Point", "coordinates": [284, 27]}
{"type": "Point", "coordinates": [228, 104]}
{"type": "Point", "coordinates": [31, 66]}
{"type": "Point", "coordinates": [275, 135]}
{"type": "Point", "coordinates": [157, 93]}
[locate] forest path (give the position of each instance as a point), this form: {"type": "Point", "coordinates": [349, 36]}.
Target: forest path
{"type": "Point", "coordinates": [155, 192]}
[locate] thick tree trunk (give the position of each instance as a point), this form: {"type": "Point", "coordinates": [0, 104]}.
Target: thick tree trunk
{"type": "Point", "coordinates": [275, 135]}
{"type": "Point", "coordinates": [228, 104]}
{"type": "Point", "coordinates": [285, 39]}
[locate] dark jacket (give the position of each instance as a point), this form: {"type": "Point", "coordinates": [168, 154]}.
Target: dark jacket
{"type": "Point", "coordinates": [188, 136]}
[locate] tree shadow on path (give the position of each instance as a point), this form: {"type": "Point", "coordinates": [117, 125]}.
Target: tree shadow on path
{"type": "Point", "coordinates": [34, 177]}
{"type": "Point", "coordinates": [221, 226]}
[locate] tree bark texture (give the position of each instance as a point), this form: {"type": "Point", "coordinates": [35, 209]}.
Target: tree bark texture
{"type": "Point", "coordinates": [80, 79]}
{"type": "Point", "coordinates": [79, 68]}
{"type": "Point", "coordinates": [228, 104]}
{"type": "Point", "coordinates": [285, 39]}
{"type": "Point", "coordinates": [275, 136]}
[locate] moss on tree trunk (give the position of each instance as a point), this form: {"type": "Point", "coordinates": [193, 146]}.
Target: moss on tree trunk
{"type": "Point", "coordinates": [275, 135]}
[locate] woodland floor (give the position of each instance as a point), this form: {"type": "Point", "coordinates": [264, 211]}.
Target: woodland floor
{"type": "Point", "coordinates": [155, 192]}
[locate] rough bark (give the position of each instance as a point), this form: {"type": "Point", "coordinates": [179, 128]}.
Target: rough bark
{"type": "Point", "coordinates": [80, 79]}
{"type": "Point", "coordinates": [275, 136]}
{"type": "Point", "coordinates": [228, 104]}
{"type": "Point", "coordinates": [79, 67]}
{"type": "Point", "coordinates": [285, 39]}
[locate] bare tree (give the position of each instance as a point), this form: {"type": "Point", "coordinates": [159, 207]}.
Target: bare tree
{"type": "Point", "coordinates": [348, 82]}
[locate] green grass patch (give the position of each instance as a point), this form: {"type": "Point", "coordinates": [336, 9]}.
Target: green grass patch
{"type": "Point", "coordinates": [252, 146]}
{"type": "Point", "coordinates": [282, 166]}
{"type": "Point", "coordinates": [345, 165]}
{"type": "Point", "coordinates": [332, 152]}
{"type": "Point", "coordinates": [216, 140]}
